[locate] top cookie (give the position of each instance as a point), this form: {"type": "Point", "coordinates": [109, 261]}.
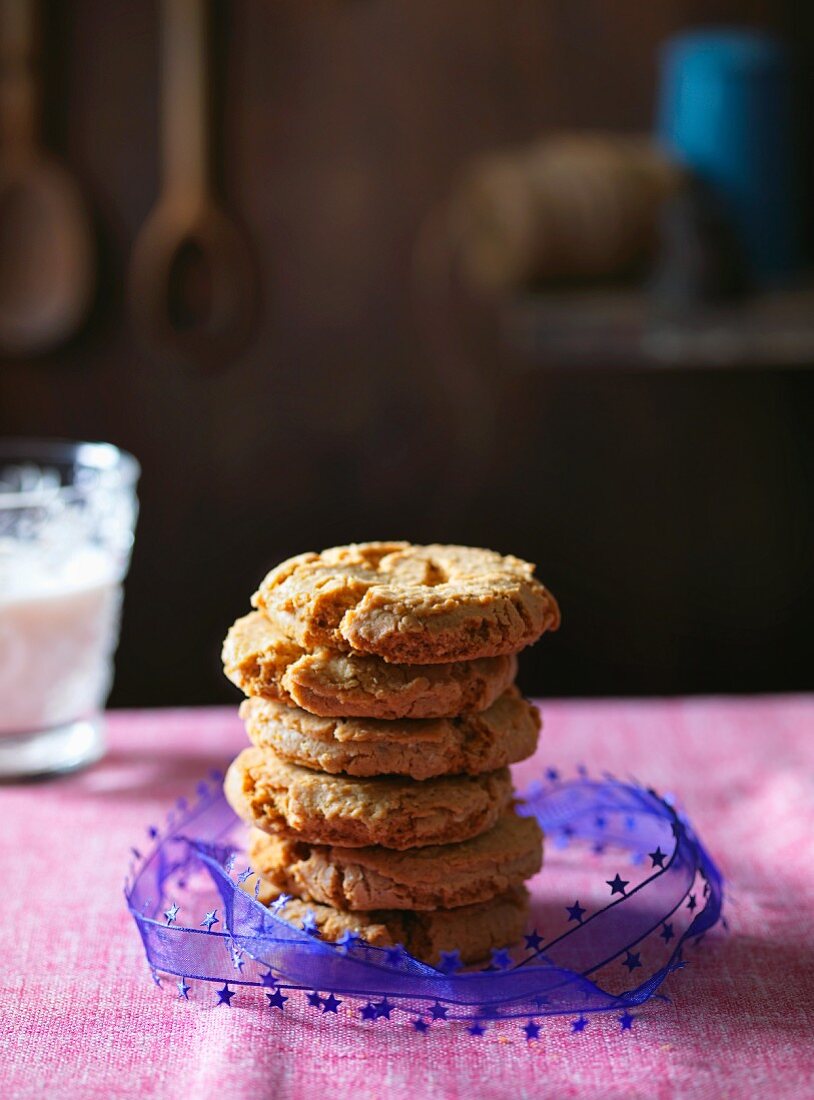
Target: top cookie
{"type": "Point", "coordinates": [409, 604]}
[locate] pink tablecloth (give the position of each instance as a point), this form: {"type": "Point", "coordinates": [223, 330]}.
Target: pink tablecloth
{"type": "Point", "coordinates": [79, 1016]}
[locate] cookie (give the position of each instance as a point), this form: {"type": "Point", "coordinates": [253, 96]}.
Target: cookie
{"type": "Point", "coordinates": [417, 747]}
{"type": "Point", "coordinates": [442, 876]}
{"type": "Point", "coordinates": [289, 800]}
{"type": "Point", "coordinates": [409, 604]}
{"type": "Point", "coordinates": [472, 930]}
{"type": "Point", "coordinates": [262, 661]}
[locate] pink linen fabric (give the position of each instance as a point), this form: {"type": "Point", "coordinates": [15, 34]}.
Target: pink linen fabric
{"type": "Point", "coordinates": [80, 1018]}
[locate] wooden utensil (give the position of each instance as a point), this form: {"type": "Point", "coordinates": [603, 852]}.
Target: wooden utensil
{"type": "Point", "coordinates": [192, 276]}
{"type": "Point", "coordinates": [47, 254]}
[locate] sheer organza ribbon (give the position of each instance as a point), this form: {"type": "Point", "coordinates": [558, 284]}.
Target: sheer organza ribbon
{"type": "Point", "coordinates": [201, 925]}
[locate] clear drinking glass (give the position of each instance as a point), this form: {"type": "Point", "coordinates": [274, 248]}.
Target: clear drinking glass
{"type": "Point", "coordinates": [67, 517]}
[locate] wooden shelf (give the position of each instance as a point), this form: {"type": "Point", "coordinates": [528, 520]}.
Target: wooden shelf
{"type": "Point", "coordinates": [618, 329]}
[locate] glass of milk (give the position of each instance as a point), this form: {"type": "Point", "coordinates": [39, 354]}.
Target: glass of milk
{"type": "Point", "coordinates": [67, 517]}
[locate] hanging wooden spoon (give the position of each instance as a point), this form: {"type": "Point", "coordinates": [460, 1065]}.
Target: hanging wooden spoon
{"type": "Point", "coordinates": [192, 277]}
{"type": "Point", "coordinates": [47, 254]}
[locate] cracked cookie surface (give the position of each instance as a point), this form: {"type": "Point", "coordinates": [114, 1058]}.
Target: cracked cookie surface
{"type": "Point", "coordinates": [440, 876]}
{"type": "Point", "coordinates": [419, 748]}
{"type": "Point", "coordinates": [397, 813]}
{"type": "Point", "coordinates": [409, 604]}
{"type": "Point", "coordinates": [262, 661]}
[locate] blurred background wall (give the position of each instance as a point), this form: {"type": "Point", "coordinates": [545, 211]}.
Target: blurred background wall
{"type": "Point", "coordinates": [670, 510]}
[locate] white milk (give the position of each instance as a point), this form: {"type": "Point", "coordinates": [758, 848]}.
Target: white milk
{"type": "Point", "coordinates": [58, 629]}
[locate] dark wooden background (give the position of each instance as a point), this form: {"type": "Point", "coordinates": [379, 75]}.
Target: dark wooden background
{"type": "Point", "coordinates": [671, 512]}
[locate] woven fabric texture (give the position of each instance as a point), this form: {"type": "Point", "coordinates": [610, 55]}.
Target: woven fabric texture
{"type": "Point", "coordinates": [80, 1017]}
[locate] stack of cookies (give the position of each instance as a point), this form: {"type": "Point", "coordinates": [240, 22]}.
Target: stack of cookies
{"type": "Point", "coordinates": [383, 716]}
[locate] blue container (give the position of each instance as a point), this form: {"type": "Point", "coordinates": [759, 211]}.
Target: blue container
{"type": "Point", "coordinates": [726, 111]}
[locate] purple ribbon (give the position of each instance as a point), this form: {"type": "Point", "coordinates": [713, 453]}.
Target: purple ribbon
{"type": "Point", "coordinates": [198, 924]}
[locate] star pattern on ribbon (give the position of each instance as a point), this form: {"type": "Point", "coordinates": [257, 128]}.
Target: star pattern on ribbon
{"type": "Point", "coordinates": [532, 1031]}
{"type": "Point", "coordinates": [439, 1011]}
{"type": "Point", "coordinates": [171, 914]}
{"type": "Point", "coordinates": [309, 923]}
{"type": "Point", "coordinates": [225, 995]}
{"type": "Point", "coordinates": [183, 989]}
{"type": "Point", "coordinates": [618, 884]}
{"type": "Point", "coordinates": [347, 940]}
{"type": "Point", "coordinates": [626, 1021]}
{"type": "Point", "coordinates": [533, 941]}
{"type": "Point", "coordinates": [449, 962]}
{"type": "Point", "coordinates": [576, 912]}
{"type": "Point", "coordinates": [501, 959]}
{"type": "Point", "coordinates": [210, 919]}
{"type": "Point", "coordinates": [579, 1025]}
{"type": "Point", "coordinates": [632, 961]}
{"type": "Point", "coordinates": [657, 858]}
{"type": "Point", "coordinates": [276, 1000]}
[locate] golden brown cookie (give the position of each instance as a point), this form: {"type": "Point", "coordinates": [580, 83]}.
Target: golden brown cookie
{"type": "Point", "coordinates": [472, 930]}
{"type": "Point", "coordinates": [418, 747]}
{"type": "Point", "coordinates": [262, 661]}
{"type": "Point", "coordinates": [440, 876]}
{"type": "Point", "coordinates": [409, 604]}
{"type": "Point", "coordinates": [289, 800]}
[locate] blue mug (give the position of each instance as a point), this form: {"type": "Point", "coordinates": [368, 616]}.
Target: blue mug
{"type": "Point", "coordinates": [726, 111]}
